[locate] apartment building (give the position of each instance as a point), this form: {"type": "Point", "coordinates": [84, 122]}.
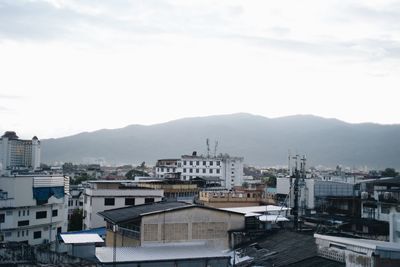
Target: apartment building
{"type": "Point", "coordinates": [229, 170]}
{"type": "Point", "coordinates": [102, 195]}
{"type": "Point", "coordinates": [33, 209]}
{"type": "Point", "coordinates": [18, 154]}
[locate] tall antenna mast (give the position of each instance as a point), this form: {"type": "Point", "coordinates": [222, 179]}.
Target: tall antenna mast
{"type": "Point", "coordinates": [208, 147]}
{"type": "Point", "coordinates": [215, 149]}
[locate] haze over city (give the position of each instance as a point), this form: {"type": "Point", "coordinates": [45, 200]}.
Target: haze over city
{"type": "Point", "coordinates": [73, 66]}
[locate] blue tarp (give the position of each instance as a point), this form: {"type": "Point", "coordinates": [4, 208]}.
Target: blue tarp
{"type": "Point", "coordinates": [42, 194]}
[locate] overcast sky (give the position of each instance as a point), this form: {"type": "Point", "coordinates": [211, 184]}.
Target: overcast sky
{"type": "Point", "coordinates": [72, 66]}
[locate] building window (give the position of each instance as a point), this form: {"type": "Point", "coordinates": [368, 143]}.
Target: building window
{"type": "Point", "coordinates": [27, 213]}
{"type": "Point", "coordinates": [204, 170]}
{"type": "Point", "coordinates": [162, 169]}
{"type": "Point", "coordinates": [59, 229]}
{"type": "Point", "coordinates": [149, 200]}
{"type": "Point", "coordinates": [23, 213]}
{"type": "Point", "coordinates": [184, 170]}
{"type": "Point", "coordinates": [211, 163]}
{"type": "Point", "coordinates": [211, 170]}
{"type": "Point", "coordinates": [129, 201]}
{"type": "Point", "coordinates": [19, 213]}
{"type": "Point", "coordinates": [217, 170]}
{"type": "Point", "coordinates": [37, 234]}
{"type": "Point", "coordinates": [109, 201]}
{"type": "Point", "coordinates": [23, 223]}
{"type": "Point", "coordinates": [190, 170]}
{"type": "Point", "coordinates": [204, 163]}
{"type": "Point", "coordinates": [54, 213]}
{"type": "Point", "coordinates": [218, 163]}
{"type": "Point", "coordinates": [41, 214]}
{"type": "Point", "coordinates": [2, 217]}
{"type": "Point", "coordinates": [197, 163]}
{"type": "Point", "coordinates": [190, 163]}
{"type": "Point", "coordinates": [197, 170]}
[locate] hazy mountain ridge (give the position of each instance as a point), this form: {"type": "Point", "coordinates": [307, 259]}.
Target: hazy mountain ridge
{"type": "Point", "coordinates": [262, 141]}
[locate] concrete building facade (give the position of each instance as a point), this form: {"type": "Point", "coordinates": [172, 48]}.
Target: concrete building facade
{"type": "Point", "coordinates": [227, 169]}
{"type": "Point", "coordinates": [17, 154]}
{"type": "Point", "coordinates": [33, 209]}
{"type": "Point", "coordinates": [102, 195]}
{"type": "Point", "coordinates": [171, 222]}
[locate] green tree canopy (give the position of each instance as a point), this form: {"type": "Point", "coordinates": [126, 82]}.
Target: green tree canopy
{"type": "Point", "coordinates": [390, 172]}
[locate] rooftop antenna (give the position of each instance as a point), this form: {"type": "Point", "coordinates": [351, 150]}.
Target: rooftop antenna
{"type": "Point", "coordinates": [208, 147]}
{"type": "Point", "coordinates": [215, 149]}
{"type": "Point", "coordinates": [289, 167]}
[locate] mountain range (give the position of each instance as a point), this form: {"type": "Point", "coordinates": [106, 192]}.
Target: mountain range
{"type": "Point", "coordinates": [261, 141]}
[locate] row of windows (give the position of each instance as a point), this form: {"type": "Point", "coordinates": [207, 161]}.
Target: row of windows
{"type": "Point", "coordinates": [23, 213]}
{"type": "Point", "coordinates": [71, 203]}
{"type": "Point", "coordinates": [211, 163]}
{"type": "Point", "coordinates": [203, 170]}
{"type": "Point", "coordinates": [129, 201]}
{"type": "Point", "coordinates": [166, 169]}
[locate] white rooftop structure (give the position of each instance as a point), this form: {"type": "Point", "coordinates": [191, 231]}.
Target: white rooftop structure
{"type": "Point", "coordinates": [273, 218]}
{"type": "Point", "coordinates": [81, 238]}
{"type": "Point", "coordinates": [172, 251]}
{"type": "Point", "coordinates": [366, 243]}
{"type": "Point", "coordinates": [257, 209]}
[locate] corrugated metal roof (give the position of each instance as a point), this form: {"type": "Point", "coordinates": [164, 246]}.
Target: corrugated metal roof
{"type": "Point", "coordinates": [257, 209]}
{"type": "Point", "coordinates": [81, 238]}
{"type": "Point", "coordinates": [273, 218]}
{"type": "Point", "coordinates": [366, 243]}
{"type": "Point", "coordinates": [130, 213]}
{"type": "Point", "coordinates": [158, 253]}
{"type": "Point", "coordinates": [133, 212]}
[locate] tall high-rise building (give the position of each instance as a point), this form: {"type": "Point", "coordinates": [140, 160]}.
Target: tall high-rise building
{"type": "Point", "coordinates": [17, 154]}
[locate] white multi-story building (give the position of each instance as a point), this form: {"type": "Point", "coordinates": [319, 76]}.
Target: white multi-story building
{"type": "Point", "coordinates": [33, 208]}
{"type": "Point", "coordinates": [229, 170]}
{"type": "Point", "coordinates": [18, 154]}
{"type": "Point", "coordinates": [102, 195]}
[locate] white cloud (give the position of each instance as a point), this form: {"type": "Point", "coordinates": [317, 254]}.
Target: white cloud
{"type": "Point", "coordinates": [84, 66]}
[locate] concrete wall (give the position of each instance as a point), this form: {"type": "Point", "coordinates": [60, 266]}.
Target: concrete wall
{"type": "Point", "coordinates": [194, 224]}
{"type": "Point", "coordinates": [95, 202]}
{"type": "Point", "coordinates": [21, 254]}
{"type": "Point", "coordinates": [121, 241]}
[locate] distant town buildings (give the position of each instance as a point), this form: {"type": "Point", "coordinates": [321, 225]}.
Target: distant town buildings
{"type": "Point", "coordinates": [228, 170]}
{"type": "Point", "coordinates": [18, 154]}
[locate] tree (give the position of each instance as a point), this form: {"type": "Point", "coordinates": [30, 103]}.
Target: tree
{"type": "Point", "coordinates": [75, 223]}
{"type": "Point", "coordinates": [271, 181]}
{"type": "Point", "coordinates": [130, 175]}
{"type": "Point", "coordinates": [79, 179]}
{"type": "Point", "coordinates": [245, 185]}
{"type": "Point", "coordinates": [389, 172]}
